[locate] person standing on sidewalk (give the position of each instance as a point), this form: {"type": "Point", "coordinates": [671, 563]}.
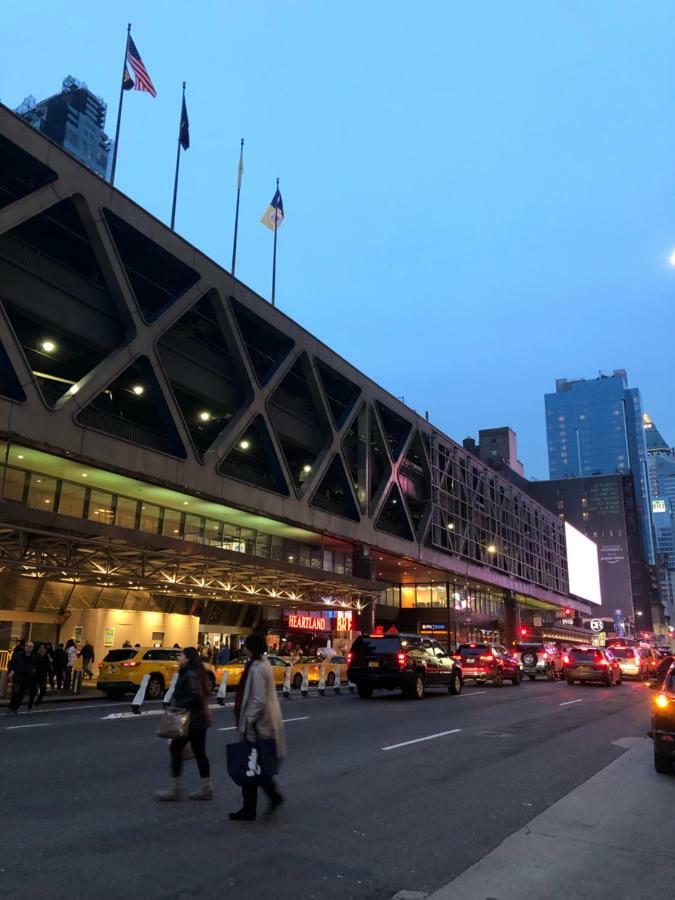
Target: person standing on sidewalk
{"type": "Point", "coordinates": [22, 670]}
{"type": "Point", "coordinates": [192, 694]}
{"type": "Point", "coordinates": [87, 654]}
{"type": "Point", "coordinates": [258, 714]}
{"type": "Point", "coordinates": [43, 672]}
{"type": "Point", "coordinates": [60, 663]}
{"type": "Point", "coordinates": [71, 659]}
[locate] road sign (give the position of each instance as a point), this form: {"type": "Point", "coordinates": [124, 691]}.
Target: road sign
{"type": "Point", "coordinates": [597, 625]}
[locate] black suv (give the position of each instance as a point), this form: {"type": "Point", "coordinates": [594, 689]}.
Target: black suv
{"type": "Point", "coordinates": [406, 661]}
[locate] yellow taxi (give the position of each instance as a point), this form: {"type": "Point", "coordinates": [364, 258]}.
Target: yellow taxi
{"type": "Point", "coordinates": [121, 671]}
{"type": "Point", "coordinates": [332, 666]}
{"type": "Point", "coordinates": [235, 668]}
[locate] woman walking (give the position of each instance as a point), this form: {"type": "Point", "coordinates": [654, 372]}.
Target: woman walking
{"type": "Point", "coordinates": [191, 694]}
{"type": "Point", "coordinates": [258, 715]}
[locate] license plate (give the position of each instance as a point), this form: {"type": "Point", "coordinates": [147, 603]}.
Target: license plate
{"type": "Point", "coordinates": [112, 669]}
{"type": "Point", "coordinates": [373, 665]}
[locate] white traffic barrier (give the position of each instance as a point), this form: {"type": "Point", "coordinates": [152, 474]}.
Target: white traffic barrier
{"type": "Point", "coordinates": [76, 681]}
{"type": "Point", "coordinates": [168, 697]}
{"type": "Point", "coordinates": [304, 687]}
{"type": "Point", "coordinates": [137, 702]}
{"type": "Point", "coordinates": [222, 690]}
{"type": "Point", "coordinates": [322, 679]}
{"type": "Point", "coordinates": [286, 689]}
{"type": "Point", "coordinates": [352, 687]}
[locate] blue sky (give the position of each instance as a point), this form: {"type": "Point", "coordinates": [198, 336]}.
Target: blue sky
{"type": "Point", "coordinates": [480, 197]}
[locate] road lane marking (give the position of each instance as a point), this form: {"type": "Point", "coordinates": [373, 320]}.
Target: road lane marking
{"type": "Point", "coordinates": [473, 694]}
{"type": "Point", "coordinates": [567, 702]}
{"type": "Point", "coordinates": [429, 737]}
{"type": "Point", "coordinates": [36, 725]}
{"type": "Point", "coordinates": [296, 719]}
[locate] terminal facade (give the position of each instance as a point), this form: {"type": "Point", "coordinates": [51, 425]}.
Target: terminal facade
{"type": "Point", "coordinates": [181, 458]}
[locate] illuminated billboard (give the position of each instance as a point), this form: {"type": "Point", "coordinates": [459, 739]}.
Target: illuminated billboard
{"type": "Point", "coordinates": [582, 564]}
{"type": "Point", "coordinates": [658, 505]}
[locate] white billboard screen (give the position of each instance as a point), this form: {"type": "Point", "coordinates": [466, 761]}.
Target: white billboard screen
{"type": "Point", "coordinates": [582, 564]}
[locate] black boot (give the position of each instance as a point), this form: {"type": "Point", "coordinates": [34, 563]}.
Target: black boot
{"type": "Point", "coordinates": [248, 811]}
{"type": "Point", "coordinates": [275, 798]}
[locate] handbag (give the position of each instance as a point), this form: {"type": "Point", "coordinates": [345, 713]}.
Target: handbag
{"type": "Point", "coordinates": [174, 724]}
{"type": "Point", "coordinates": [252, 762]}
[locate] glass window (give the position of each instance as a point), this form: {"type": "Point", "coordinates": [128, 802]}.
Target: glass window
{"type": "Point", "coordinates": [194, 528]}
{"type": "Point", "coordinates": [71, 500]}
{"type": "Point", "coordinates": [125, 512]}
{"type": "Point", "coordinates": [171, 523]}
{"type": "Point", "coordinates": [41, 492]}
{"type": "Point", "coordinates": [149, 518]}
{"type": "Point", "coordinates": [424, 596]}
{"type": "Point", "coordinates": [213, 533]}
{"type": "Point", "coordinates": [15, 480]}
{"type": "Point", "coordinates": [101, 507]}
{"type": "Point", "coordinates": [407, 597]}
{"type": "Point", "coordinates": [438, 596]}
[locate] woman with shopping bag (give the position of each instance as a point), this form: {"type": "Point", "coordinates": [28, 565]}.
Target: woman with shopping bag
{"type": "Point", "coordinates": [186, 724]}
{"type": "Point", "coordinates": [255, 760]}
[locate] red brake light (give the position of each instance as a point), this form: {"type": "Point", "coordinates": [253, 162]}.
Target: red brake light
{"type": "Point", "coordinates": [350, 657]}
{"type": "Point", "coordinates": [566, 659]}
{"type": "Point", "coordinates": [401, 660]}
{"type": "Point", "coordinates": [489, 656]}
{"type": "Point", "coordinates": [100, 666]}
{"type": "Point", "coordinates": [130, 664]}
{"type": "Point", "coordinates": [600, 660]}
{"type": "Point", "coordinates": [457, 656]}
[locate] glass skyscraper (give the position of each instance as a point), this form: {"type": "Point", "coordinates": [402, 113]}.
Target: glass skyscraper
{"type": "Point", "coordinates": [595, 427]}
{"type": "Point", "coordinates": [661, 466]}
{"type": "Point", "coordinates": [75, 119]}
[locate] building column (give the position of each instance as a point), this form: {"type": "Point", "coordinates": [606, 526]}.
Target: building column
{"type": "Point", "coordinates": [511, 618]}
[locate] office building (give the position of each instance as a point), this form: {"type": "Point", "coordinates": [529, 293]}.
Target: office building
{"type": "Point", "coordinates": [75, 119]}
{"type": "Point", "coordinates": [595, 427]}
{"type": "Point", "coordinates": [661, 468]}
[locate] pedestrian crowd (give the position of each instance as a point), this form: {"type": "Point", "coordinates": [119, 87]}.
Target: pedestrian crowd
{"type": "Point", "coordinates": [33, 668]}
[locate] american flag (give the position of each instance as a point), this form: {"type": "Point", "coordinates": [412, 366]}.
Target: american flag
{"type": "Point", "coordinates": [142, 81]}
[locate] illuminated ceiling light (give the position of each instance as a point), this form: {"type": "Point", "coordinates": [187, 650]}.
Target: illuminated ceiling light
{"type": "Point", "coordinates": [451, 526]}
{"type": "Point", "coordinates": [244, 445]}
{"type": "Point", "coordinates": [84, 474]}
{"type": "Point", "coordinates": [205, 416]}
{"type": "Point", "coordinates": [306, 469]}
{"type": "Point", "coordinates": [491, 548]}
{"type": "Point", "coordinates": [138, 389]}
{"type": "Point", "coordinates": [185, 503]}
{"type": "Point", "coordinates": [48, 346]}
{"type": "Point", "coordinates": [20, 456]}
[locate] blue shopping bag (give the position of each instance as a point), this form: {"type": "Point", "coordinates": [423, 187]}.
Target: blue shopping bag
{"type": "Point", "coordinates": [252, 762]}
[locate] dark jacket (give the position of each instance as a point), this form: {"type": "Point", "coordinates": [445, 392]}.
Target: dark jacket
{"type": "Point", "coordinates": [60, 659]}
{"type": "Point", "coordinates": [43, 666]}
{"type": "Point", "coordinates": [189, 695]}
{"type": "Point", "coordinates": [87, 652]}
{"type": "Point", "coordinates": [22, 666]}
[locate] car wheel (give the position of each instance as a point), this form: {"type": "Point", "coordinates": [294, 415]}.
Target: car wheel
{"type": "Point", "coordinates": [297, 681]}
{"type": "Point", "coordinates": [455, 686]}
{"type": "Point", "coordinates": [155, 688]}
{"type": "Point", "coordinates": [517, 678]}
{"type": "Point", "coordinates": [619, 678]}
{"type": "Point", "coordinates": [417, 690]}
{"type": "Point", "coordinates": [532, 677]}
{"type": "Point", "coordinates": [550, 675]}
{"type": "Point", "coordinates": [364, 691]}
{"type": "Point", "coordinates": [498, 680]}
{"type": "Point", "coordinates": [330, 681]}
{"type": "Point", "coordinates": [662, 764]}
{"type": "Point", "coordinates": [608, 680]}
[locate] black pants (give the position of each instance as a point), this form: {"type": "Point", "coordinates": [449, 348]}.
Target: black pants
{"type": "Point", "coordinates": [250, 795]}
{"type": "Point", "coordinates": [42, 688]}
{"type": "Point", "coordinates": [60, 675]}
{"type": "Point", "coordinates": [19, 688]}
{"type": "Point", "coordinates": [197, 740]}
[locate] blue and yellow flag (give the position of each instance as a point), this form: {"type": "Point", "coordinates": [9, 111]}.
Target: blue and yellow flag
{"type": "Point", "coordinates": [274, 214]}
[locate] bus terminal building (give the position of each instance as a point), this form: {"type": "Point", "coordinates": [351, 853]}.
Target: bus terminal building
{"type": "Point", "coordinates": [179, 457]}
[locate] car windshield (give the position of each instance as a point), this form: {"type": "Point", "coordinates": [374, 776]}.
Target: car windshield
{"type": "Point", "coordinates": [583, 655]}
{"type": "Point", "coordinates": [375, 646]}
{"type": "Point", "coordinates": [119, 655]}
{"type": "Point", "coordinates": [623, 652]}
{"type": "Point", "coordinates": [474, 651]}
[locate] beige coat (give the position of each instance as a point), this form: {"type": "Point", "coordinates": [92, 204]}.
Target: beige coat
{"type": "Point", "coordinates": [260, 711]}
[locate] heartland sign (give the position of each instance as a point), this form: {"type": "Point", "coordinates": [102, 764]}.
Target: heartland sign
{"type": "Point", "coordinates": [307, 623]}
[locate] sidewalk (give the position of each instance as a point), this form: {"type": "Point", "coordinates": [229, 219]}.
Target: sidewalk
{"type": "Point", "coordinates": [611, 836]}
{"type": "Point", "coordinates": [87, 692]}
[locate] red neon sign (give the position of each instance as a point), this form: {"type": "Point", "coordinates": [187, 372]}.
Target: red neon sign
{"type": "Point", "coordinates": [307, 623]}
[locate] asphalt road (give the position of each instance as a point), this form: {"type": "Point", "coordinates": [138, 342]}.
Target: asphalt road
{"type": "Point", "coordinates": [383, 795]}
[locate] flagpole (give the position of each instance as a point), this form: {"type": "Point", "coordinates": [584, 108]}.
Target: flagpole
{"type": "Point", "coordinates": [119, 109]}
{"type": "Point", "coordinates": [274, 254]}
{"type": "Point", "coordinates": [175, 181]}
{"type": "Point", "coordinates": [236, 213]}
